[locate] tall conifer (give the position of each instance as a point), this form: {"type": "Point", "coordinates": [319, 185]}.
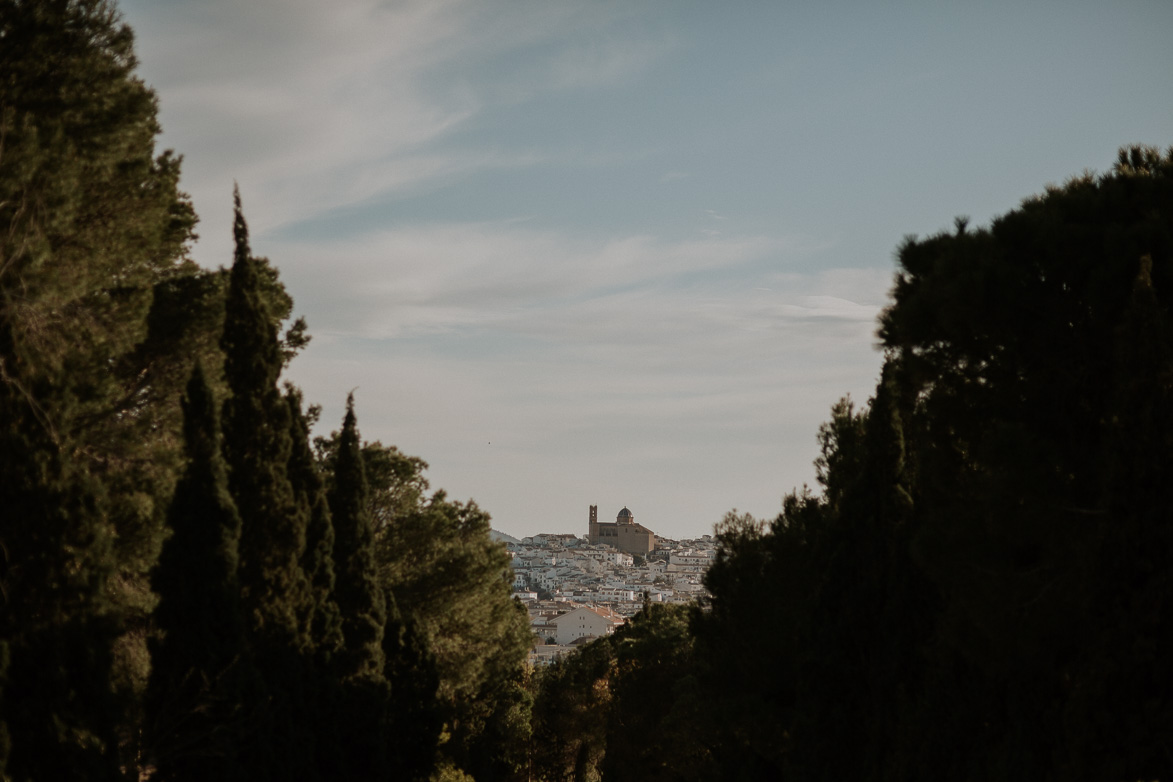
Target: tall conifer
{"type": "Point", "coordinates": [364, 611]}
{"type": "Point", "coordinates": [257, 447]}
{"type": "Point", "coordinates": [193, 701]}
{"type": "Point", "coordinates": [274, 591]}
{"type": "Point", "coordinates": [323, 620]}
{"type": "Point", "coordinates": [361, 700]}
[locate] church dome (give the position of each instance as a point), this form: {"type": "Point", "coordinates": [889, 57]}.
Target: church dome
{"type": "Point", "coordinates": [624, 516]}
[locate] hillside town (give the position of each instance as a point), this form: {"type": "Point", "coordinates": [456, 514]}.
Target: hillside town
{"type": "Point", "coordinates": [580, 588]}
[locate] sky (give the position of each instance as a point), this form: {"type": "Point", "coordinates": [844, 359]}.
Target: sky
{"type": "Point", "coordinates": [622, 253]}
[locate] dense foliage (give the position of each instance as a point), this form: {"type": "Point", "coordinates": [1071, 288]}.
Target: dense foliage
{"type": "Point", "coordinates": [982, 589]}
{"type": "Point", "coordinates": [188, 591]}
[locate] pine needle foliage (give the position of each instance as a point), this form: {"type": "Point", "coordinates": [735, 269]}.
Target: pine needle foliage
{"type": "Point", "coordinates": [59, 622]}
{"type": "Point", "coordinates": [92, 219]}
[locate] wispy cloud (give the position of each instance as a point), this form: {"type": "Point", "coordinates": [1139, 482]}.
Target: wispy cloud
{"type": "Point", "coordinates": [625, 342]}
{"type": "Point", "coordinates": [639, 389]}
{"type": "Point", "coordinates": [448, 275]}
{"type": "Point", "coordinates": [604, 61]}
{"type": "Point", "coordinates": [541, 324]}
{"type": "Point", "coordinates": [312, 107]}
{"type": "Point", "coordinates": [552, 344]}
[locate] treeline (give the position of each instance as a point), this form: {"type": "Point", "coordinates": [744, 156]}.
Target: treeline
{"type": "Point", "coordinates": [191, 589]}
{"type": "Point", "coordinates": [983, 587]}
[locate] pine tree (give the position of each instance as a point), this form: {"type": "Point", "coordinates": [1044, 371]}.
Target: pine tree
{"type": "Point", "coordinates": [1038, 360]}
{"type": "Point", "coordinates": [58, 623]}
{"type": "Point", "coordinates": [193, 703]}
{"type": "Point", "coordinates": [92, 220]}
{"type": "Point", "coordinates": [450, 582]}
{"type": "Point", "coordinates": [570, 714]}
{"type": "Point", "coordinates": [871, 611]}
{"type": "Point", "coordinates": [653, 725]}
{"type": "Point", "coordinates": [1124, 669]}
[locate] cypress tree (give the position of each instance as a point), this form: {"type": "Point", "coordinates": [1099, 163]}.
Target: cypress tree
{"type": "Point", "coordinates": [362, 693]}
{"type": "Point", "coordinates": [323, 622]}
{"type": "Point", "coordinates": [360, 598]}
{"type": "Point", "coordinates": [193, 699]}
{"type": "Point", "coordinates": [274, 590]}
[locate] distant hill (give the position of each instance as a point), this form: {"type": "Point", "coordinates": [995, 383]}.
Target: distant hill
{"type": "Point", "coordinates": [501, 537]}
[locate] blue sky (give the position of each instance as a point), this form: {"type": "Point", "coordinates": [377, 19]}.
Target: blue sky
{"type": "Point", "coordinates": [622, 253]}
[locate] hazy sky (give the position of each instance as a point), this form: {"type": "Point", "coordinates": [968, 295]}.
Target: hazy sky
{"type": "Point", "coordinates": [622, 253]}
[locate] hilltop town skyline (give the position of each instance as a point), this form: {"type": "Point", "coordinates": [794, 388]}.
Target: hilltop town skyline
{"type": "Point", "coordinates": [584, 530]}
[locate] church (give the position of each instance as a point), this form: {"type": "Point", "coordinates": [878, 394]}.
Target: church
{"type": "Point", "coordinates": [623, 534]}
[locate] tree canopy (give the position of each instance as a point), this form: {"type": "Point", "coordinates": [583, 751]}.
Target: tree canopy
{"type": "Point", "coordinates": [178, 599]}
{"type": "Point", "coordinates": [981, 587]}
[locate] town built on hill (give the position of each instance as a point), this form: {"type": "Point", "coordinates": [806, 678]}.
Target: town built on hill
{"type": "Point", "coordinates": [580, 588]}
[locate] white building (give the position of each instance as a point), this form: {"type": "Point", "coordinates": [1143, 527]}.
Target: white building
{"type": "Point", "coordinates": [691, 557]}
{"type": "Point", "coordinates": [586, 622]}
